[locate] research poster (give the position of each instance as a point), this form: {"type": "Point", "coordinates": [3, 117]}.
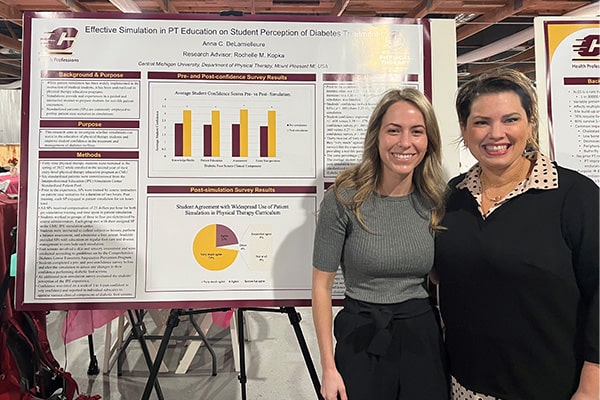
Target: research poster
{"type": "Point", "coordinates": [570, 79]}
{"type": "Point", "coordinates": [176, 161]}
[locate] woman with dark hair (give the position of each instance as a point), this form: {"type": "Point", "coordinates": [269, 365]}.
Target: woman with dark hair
{"type": "Point", "coordinates": [518, 263]}
{"type": "Point", "coordinates": [377, 223]}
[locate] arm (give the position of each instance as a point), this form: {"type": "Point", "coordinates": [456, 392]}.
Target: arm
{"type": "Point", "coordinates": [589, 382]}
{"type": "Point", "coordinates": [582, 206]}
{"type": "Point", "coordinates": [322, 286]}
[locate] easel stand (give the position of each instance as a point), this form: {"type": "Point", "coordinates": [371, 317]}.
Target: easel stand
{"type": "Point", "coordinates": [172, 322]}
{"type": "Point", "coordinates": [138, 331]}
{"type": "Point", "coordinates": [295, 319]}
{"type": "Point", "coordinates": [93, 367]}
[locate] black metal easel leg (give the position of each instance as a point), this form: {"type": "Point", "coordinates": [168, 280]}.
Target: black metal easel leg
{"type": "Point", "coordinates": [123, 348]}
{"type": "Point", "coordinates": [295, 319]}
{"type": "Point", "coordinates": [172, 322]}
{"type": "Point", "coordinates": [240, 328]}
{"type": "Point", "coordinates": [206, 344]}
{"type": "Point", "coordinates": [93, 367]}
{"type": "Point", "coordinates": [137, 331]}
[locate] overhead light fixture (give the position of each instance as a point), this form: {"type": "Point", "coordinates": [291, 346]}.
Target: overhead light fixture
{"type": "Point", "coordinates": [7, 51]}
{"type": "Point", "coordinates": [126, 6]}
{"type": "Point", "coordinates": [462, 18]}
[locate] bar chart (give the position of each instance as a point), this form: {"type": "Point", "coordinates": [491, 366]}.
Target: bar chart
{"type": "Point", "coordinates": [232, 129]}
{"type": "Point", "coordinates": [211, 138]}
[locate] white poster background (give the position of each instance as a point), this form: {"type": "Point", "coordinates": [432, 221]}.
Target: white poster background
{"type": "Point", "coordinates": [104, 92]}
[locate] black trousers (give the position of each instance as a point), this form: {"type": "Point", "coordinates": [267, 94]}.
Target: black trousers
{"type": "Point", "coordinates": [391, 351]}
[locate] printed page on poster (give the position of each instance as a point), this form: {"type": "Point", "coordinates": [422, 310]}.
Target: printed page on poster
{"type": "Point", "coordinates": [573, 71]}
{"type": "Point", "coordinates": [182, 160]}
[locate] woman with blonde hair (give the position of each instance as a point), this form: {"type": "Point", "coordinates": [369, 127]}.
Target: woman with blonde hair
{"type": "Point", "coordinates": [377, 222]}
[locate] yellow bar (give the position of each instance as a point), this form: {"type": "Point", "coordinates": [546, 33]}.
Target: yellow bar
{"type": "Point", "coordinates": [187, 133]}
{"type": "Point", "coordinates": [271, 132]}
{"type": "Point", "coordinates": [216, 133]}
{"type": "Point", "coordinates": [243, 133]}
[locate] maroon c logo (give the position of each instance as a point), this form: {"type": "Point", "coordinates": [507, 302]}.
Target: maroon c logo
{"type": "Point", "coordinates": [61, 39]}
{"type": "Point", "coordinates": [589, 46]}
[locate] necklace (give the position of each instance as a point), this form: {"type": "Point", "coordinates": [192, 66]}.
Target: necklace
{"type": "Point", "coordinates": [485, 185]}
{"type": "Point", "coordinates": [493, 199]}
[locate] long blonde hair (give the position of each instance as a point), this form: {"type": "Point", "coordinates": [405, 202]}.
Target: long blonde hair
{"type": "Point", "coordinates": [428, 178]}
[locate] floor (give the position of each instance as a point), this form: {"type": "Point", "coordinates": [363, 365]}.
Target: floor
{"type": "Point", "coordinates": [275, 366]}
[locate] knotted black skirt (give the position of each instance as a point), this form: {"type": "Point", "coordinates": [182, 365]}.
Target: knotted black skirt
{"type": "Point", "coordinates": [391, 351]}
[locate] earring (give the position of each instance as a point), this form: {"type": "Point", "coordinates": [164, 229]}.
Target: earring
{"type": "Point", "coordinates": [529, 145]}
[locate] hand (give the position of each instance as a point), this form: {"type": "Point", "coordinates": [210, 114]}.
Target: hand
{"type": "Point", "coordinates": [589, 382]}
{"type": "Point", "coordinates": [580, 395]}
{"type": "Point", "coordinates": [332, 384]}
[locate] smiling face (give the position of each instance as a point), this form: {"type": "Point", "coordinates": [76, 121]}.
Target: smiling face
{"type": "Point", "coordinates": [402, 146]}
{"type": "Point", "coordinates": [497, 130]}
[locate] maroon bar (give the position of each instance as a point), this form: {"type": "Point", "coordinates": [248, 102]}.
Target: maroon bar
{"type": "Point", "coordinates": [92, 74]}
{"type": "Point", "coordinates": [218, 305]}
{"type": "Point", "coordinates": [178, 140]}
{"type": "Point", "coordinates": [233, 76]}
{"type": "Point", "coordinates": [89, 154]}
{"type": "Point", "coordinates": [88, 124]}
{"type": "Point", "coordinates": [207, 140]}
{"type": "Point", "coordinates": [235, 140]}
{"type": "Point", "coordinates": [582, 81]}
{"type": "Point", "coordinates": [260, 190]}
{"type": "Point", "coordinates": [264, 141]}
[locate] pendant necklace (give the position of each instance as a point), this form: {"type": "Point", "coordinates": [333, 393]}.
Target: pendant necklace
{"type": "Point", "coordinates": [493, 199]}
{"type": "Point", "coordinates": [486, 185]}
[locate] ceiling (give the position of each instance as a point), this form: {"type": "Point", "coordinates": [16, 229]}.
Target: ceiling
{"type": "Point", "coordinates": [489, 33]}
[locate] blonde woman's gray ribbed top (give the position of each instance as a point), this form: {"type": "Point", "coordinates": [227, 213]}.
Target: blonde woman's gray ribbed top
{"type": "Point", "coordinates": [386, 264]}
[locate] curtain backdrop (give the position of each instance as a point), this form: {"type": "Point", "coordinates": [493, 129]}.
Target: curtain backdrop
{"type": "Point", "coordinates": [10, 116]}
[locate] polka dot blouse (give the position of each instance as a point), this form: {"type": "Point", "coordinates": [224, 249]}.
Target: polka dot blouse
{"type": "Point", "coordinates": [543, 176]}
{"type": "Point", "coordinates": [460, 392]}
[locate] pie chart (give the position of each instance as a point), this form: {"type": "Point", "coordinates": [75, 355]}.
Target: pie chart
{"type": "Point", "coordinates": [215, 247]}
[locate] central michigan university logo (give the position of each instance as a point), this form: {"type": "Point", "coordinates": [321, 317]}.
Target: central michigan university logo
{"type": "Point", "coordinates": [587, 48]}
{"type": "Point", "coordinates": [60, 41]}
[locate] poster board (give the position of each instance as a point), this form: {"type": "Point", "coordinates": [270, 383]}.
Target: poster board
{"type": "Point", "coordinates": [568, 79]}
{"type": "Point", "coordinates": [177, 161]}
